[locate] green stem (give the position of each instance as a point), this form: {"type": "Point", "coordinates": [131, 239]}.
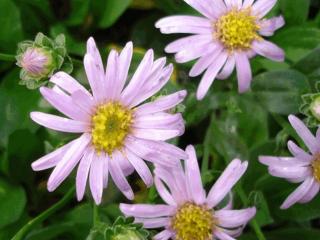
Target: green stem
{"type": "Point", "coordinates": [96, 218]}
{"type": "Point", "coordinates": [7, 57]}
{"type": "Point", "coordinates": [253, 223]}
{"type": "Point", "coordinates": [43, 216]}
{"type": "Point", "coordinates": [206, 149]}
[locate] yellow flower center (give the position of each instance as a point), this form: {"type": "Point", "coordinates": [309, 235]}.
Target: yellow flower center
{"type": "Point", "coordinates": [110, 126]}
{"type": "Point", "coordinates": [316, 167]}
{"type": "Point", "coordinates": [237, 29]}
{"type": "Point", "coordinates": [193, 222]}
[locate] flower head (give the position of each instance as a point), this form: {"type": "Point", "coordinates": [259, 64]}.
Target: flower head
{"type": "Point", "coordinates": [229, 33]}
{"type": "Point", "coordinates": [303, 167]}
{"type": "Point", "coordinates": [188, 213]}
{"type": "Point", "coordinates": [40, 58]}
{"type": "Point", "coordinates": [119, 130]}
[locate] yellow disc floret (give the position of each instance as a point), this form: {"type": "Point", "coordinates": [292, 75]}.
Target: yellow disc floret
{"type": "Point", "coordinates": [111, 124]}
{"type": "Point", "coordinates": [316, 167]}
{"type": "Point", "coordinates": [193, 222]}
{"type": "Point", "coordinates": [237, 29]}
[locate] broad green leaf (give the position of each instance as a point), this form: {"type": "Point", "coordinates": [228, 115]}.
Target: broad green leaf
{"type": "Point", "coordinates": [78, 13]}
{"type": "Point", "coordinates": [280, 91]}
{"type": "Point", "coordinates": [295, 11]}
{"type": "Point", "coordinates": [310, 63]}
{"type": "Point", "coordinates": [11, 30]}
{"type": "Point", "coordinates": [112, 11]}
{"type": "Point", "coordinates": [16, 103]}
{"type": "Point", "coordinates": [12, 202]}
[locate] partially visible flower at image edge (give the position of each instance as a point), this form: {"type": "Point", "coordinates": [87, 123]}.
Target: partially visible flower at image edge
{"type": "Point", "coordinates": [226, 37]}
{"type": "Point", "coordinates": [119, 130]}
{"type": "Point", "coordinates": [303, 167]}
{"type": "Point", "coordinates": [41, 58]}
{"type": "Point", "coordinates": [188, 213]}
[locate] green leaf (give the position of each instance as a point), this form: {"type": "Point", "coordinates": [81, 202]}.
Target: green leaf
{"type": "Point", "coordinates": [112, 11]}
{"type": "Point", "coordinates": [295, 12]}
{"type": "Point", "coordinates": [280, 91]}
{"type": "Point", "coordinates": [78, 13]}
{"type": "Point", "coordinates": [12, 202]}
{"type": "Point", "coordinates": [309, 63]}
{"type": "Point", "coordinates": [11, 29]}
{"type": "Point", "coordinates": [16, 103]}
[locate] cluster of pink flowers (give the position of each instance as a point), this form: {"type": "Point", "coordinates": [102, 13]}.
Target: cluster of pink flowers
{"type": "Point", "coordinates": [120, 130]}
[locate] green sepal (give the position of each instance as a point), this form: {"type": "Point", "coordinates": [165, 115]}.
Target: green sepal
{"type": "Point", "coordinates": [307, 107]}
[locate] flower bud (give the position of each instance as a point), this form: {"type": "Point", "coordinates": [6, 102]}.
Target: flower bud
{"type": "Point", "coordinates": [41, 58]}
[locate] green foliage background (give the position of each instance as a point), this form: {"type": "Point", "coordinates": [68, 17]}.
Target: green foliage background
{"type": "Point", "coordinates": [222, 126]}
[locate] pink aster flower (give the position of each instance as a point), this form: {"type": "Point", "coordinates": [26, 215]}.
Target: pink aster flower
{"type": "Point", "coordinates": [227, 35]}
{"type": "Point", "coordinates": [189, 213]}
{"type": "Point", "coordinates": [303, 167]}
{"type": "Point", "coordinates": [118, 129]}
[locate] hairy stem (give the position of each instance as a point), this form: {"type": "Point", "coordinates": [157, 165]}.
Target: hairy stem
{"type": "Point", "coordinates": [43, 216]}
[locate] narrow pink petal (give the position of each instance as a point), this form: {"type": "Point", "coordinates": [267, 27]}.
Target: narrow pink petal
{"type": "Point", "coordinates": [52, 159]}
{"type": "Point", "coordinates": [205, 61]}
{"type": "Point", "coordinates": [68, 83]}
{"type": "Point", "coordinates": [282, 161]}
{"type": "Point", "coordinates": [68, 162]}
{"type": "Point", "coordinates": [314, 190]}
{"type": "Point", "coordinates": [147, 210]}
{"type": "Point", "coordinates": [186, 29]}
{"type": "Point", "coordinates": [118, 176]}
{"type": "Point", "coordinates": [193, 177]}
{"type": "Point", "coordinates": [156, 134]}
{"type": "Point", "coordinates": [164, 193]}
{"type": "Point", "coordinates": [154, 222]}
{"type": "Point", "coordinates": [162, 103]}
{"type": "Point", "coordinates": [111, 93]}
{"type": "Point", "coordinates": [261, 7]}
{"type": "Point", "coordinates": [210, 75]}
{"type": "Point", "coordinates": [125, 165]}
{"type": "Point", "coordinates": [96, 178]}
{"type": "Point", "coordinates": [222, 235]}
{"type": "Point", "coordinates": [234, 232]}
{"type": "Point", "coordinates": [152, 86]}
{"type": "Point", "coordinates": [156, 120]}
{"type": "Point", "coordinates": [205, 8]}
{"type": "Point", "coordinates": [233, 4]}
{"type": "Point", "coordinates": [83, 101]}
{"type": "Point", "coordinates": [59, 123]}
{"type": "Point", "coordinates": [188, 42]}
{"type": "Point", "coordinates": [227, 68]}
{"type": "Point", "coordinates": [299, 153]}
{"type": "Point", "coordinates": [298, 194]}
{"type": "Point", "coordinates": [290, 172]}
{"type": "Point", "coordinates": [141, 168]}
{"type": "Point", "coordinates": [229, 204]}
{"type": "Point", "coordinates": [225, 182]}
{"type": "Point", "coordinates": [243, 71]}
{"type": "Point", "coordinates": [247, 3]}
{"type": "Point", "coordinates": [194, 52]}
{"type": "Point", "coordinates": [164, 235]}
{"type": "Point", "coordinates": [149, 154]}
{"type": "Point", "coordinates": [64, 104]}
{"type": "Point", "coordinates": [304, 133]}
{"type": "Point", "coordinates": [183, 20]}
{"type": "Point", "coordinates": [269, 26]}
{"type": "Point", "coordinates": [123, 67]}
{"type": "Point", "coordinates": [234, 218]}
{"type": "Point", "coordinates": [268, 50]}
{"type": "Point", "coordinates": [138, 78]}
{"type": "Point", "coordinates": [106, 161]}
{"type": "Point", "coordinates": [95, 79]}
{"type": "Point", "coordinates": [83, 172]}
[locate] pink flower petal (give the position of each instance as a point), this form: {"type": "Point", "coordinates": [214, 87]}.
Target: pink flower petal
{"type": "Point", "coordinates": [299, 153]}
{"type": "Point", "coordinates": [123, 67]}
{"type": "Point", "coordinates": [188, 42]}
{"type": "Point", "coordinates": [111, 77]}
{"type": "Point", "coordinates": [147, 210]}
{"type": "Point", "coordinates": [269, 26]}
{"type": "Point", "coordinates": [68, 162]}
{"type": "Point", "coordinates": [153, 222]}
{"type": "Point", "coordinates": [164, 235]}
{"type": "Point", "coordinates": [243, 72]}
{"type": "Point", "coordinates": [282, 161]}
{"type": "Point", "coordinates": [164, 193]}
{"type": "Point", "coordinates": [83, 172]}
{"type": "Point", "coordinates": [118, 176]}
{"type": "Point", "coordinates": [222, 235]}
{"type": "Point", "coordinates": [225, 182]}
{"type": "Point", "coordinates": [141, 168]}
{"type": "Point", "coordinates": [96, 178]}
{"type": "Point", "coordinates": [193, 177]}
{"type": "Point", "coordinates": [290, 172]}
{"type": "Point", "coordinates": [314, 190]}
{"type": "Point", "coordinates": [298, 194]}
{"type": "Point", "coordinates": [227, 68]}
{"type": "Point", "coordinates": [210, 75]}
{"type": "Point", "coordinates": [181, 21]}
{"type": "Point", "coordinates": [262, 7]}
{"type": "Point", "coordinates": [304, 134]}
{"type": "Point", "coordinates": [234, 218]}
{"type": "Point", "coordinates": [59, 123]}
{"type": "Point", "coordinates": [268, 50]}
